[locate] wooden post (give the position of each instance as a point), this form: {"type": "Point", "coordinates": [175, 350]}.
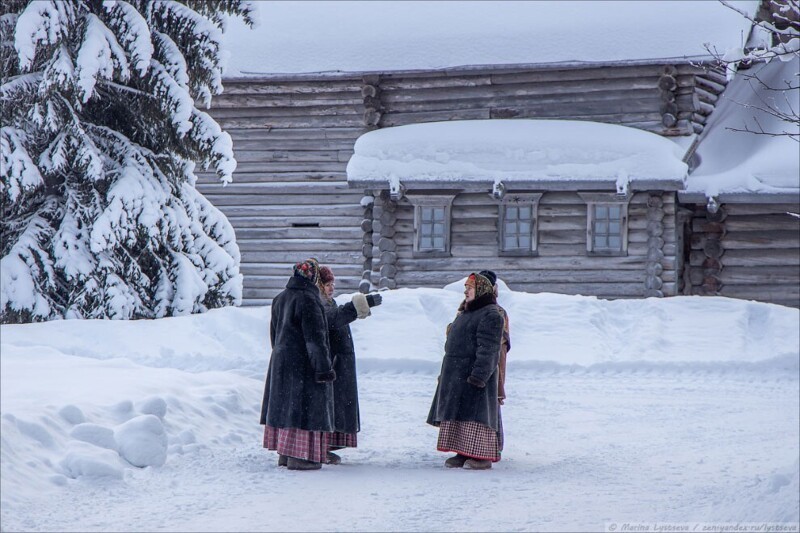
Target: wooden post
{"type": "Point", "coordinates": [371, 94]}
{"type": "Point", "coordinates": [365, 285]}
{"type": "Point", "coordinates": [653, 284]}
{"type": "Point", "coordinates": [388, 246]}
{"type": "Point", "coordinates": [713, 249]}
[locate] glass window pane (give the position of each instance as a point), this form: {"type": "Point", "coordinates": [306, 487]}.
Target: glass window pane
{"type": "Point", "coordinates": [614, 242]}
{"type": "Point", "coordinates": [511, 228]}
{"type": "Point", "coordinates": [425, 243]}
{"type": "Point", "coordinates": [438, 229]}
{"type": "Point", "coordinates": [599, 242]}
{"type": "Point", "coordinates": [601, 211]}
{"type": "Point", "coordinates": [525, 212]}
{"type": "Point", "coordinates": [525, 242]}
{"type": "Point", "coordinates": [510, 242]}
{"type": "Point", "coordinates": [613, 227]}
{"type": "Point", "coordinates": [426, 229]}
{"type": "Point", "coordinates": [438, 243]}
{"type": "Point", "coordinates": [614, 212]}
{"type": "Point", "coordinates": [438, 214]}
{"type": "Point", "coordinates": [525, 228]}
{"type": "Point", "coordinates": [511, 213]}
{"type": "Point", "coordinates": [427, 214]}
{"type": "Point", "coordinates": [600, 228]}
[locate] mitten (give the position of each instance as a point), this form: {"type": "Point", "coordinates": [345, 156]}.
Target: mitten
{"type": "Point", "coordinates": [475, 382]}
{"type": "Point", "coordinates": [361, 304]}
{"type": "Point", "coordinates": [374, 299]}
{"type": "Point", "coordinates": [325, 377]}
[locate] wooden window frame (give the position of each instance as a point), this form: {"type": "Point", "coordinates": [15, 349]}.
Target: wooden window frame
{"type": "Point", "coordinates": [593, 200]}
{"type": "Point", "coordinates": [518, 200]}
{"type": "Point", "coordinates": [434, 200]}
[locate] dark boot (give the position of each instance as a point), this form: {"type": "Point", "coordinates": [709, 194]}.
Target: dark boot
{"type": "Point", "coordinates": [301, 464]}
{"type": "Point", "coordinates": [457, 461]}
{"type": "Point", "coordinates": [478, 464]}
{"type": "Point", "coordinates": [333, 459]}
{"type": "Point", "coordinates": [283, 460]}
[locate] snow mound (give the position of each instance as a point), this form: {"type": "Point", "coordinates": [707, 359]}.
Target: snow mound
{"type": "Point", "coordinates": [142, 441]}
{"type": "Point", "coordinates": [95, 434]}
{"type": "Point", "coordinates": [774, 495]}
{"type": "Point", "coordinates": [84, 459]}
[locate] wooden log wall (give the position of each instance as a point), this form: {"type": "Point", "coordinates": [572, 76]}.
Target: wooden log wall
{"type": "Point", "coordinates": [289, 198]}
{"type": "Point", "coordinates": [562, 265]}
{"type": "Point", "coordinates": [665, 99]}
{"type": "Point", "coordinates": [748, 251]}
{"type": "Point", "coordinates": [294, 134]}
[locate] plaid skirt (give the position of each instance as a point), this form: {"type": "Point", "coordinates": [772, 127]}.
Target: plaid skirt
{"type": "Point", "coordinates": [297, 443]}
{"type": "Point", "coordinates": [337, 441]}
{"type": "Point", "coordinates": [471, 439]}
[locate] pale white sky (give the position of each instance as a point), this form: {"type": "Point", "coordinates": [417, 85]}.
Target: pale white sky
{"type": "Point", "coordinates": [384, 35]}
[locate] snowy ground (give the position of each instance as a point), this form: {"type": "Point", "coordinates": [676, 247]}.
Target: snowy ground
{"type": "Point", "coordinates": [627, 411]}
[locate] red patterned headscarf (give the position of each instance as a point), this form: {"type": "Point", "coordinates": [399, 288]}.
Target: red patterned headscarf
{"type": "Point", "coordinates": [308, 269]}
{"type": "Point", "coordinates": [482, 285]}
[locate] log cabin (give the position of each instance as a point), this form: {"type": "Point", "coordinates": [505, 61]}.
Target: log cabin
{"type": "Point", "coordinates": [295, 126]}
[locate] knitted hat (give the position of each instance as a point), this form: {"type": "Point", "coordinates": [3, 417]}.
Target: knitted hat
{"type": "Point", "coordinates": [325, 275]}
{"type": "Point", "coordinates": [481, 283]}
{"type": "Point", "coordinates": [491, 276]}
{"type": "Point", "coordinates": [308, 269]}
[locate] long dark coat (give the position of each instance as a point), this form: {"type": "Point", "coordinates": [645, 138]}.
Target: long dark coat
{"type": "Point", "coordinates": [300, 355]}
{"type": "Point", "coordinates": [472, 348]}
{"type": "Point", "coordinates": [345, 388]}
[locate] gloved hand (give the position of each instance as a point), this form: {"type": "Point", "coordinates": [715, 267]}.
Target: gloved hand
{"type": "Point", "coordinates": [374, 299]}
{"type": "Point", "coordinates": [475, 382]}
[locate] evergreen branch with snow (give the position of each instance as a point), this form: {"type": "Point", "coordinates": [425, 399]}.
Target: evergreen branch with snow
{"type": "Point", "coordinates": [100, 138]}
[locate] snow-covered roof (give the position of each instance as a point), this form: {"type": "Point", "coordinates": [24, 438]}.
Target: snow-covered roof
{"type": "Point", "coordinates": [302, 37]}
{"type": "Point", "coordinates": [551, 154]}
{"type": "Point", "coordinates": [747, 165]}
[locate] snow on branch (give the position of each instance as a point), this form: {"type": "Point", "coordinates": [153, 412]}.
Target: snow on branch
{"type": "Point", "coordinates": [19, 172]}
{"type": "Point", "coordinates": [41, 23]}
{"type": "Point", "coordinates": [135, 32]}
{"type": "Point", "coordinates": [99, 56]}
{"type": "Point", "coordinates": [100, 135]}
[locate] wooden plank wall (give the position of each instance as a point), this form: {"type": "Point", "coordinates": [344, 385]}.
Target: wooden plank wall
{"type": "Point", "coordinates": [749, 251]}
{"type": "Point", "coordinates": [293, 136]}
{"type": "Point", "coordinates": [562, 265]}
{"type": "Point", "coordinates": [292, 141]}
{"type": "Point", "coordinates": [668, 100]}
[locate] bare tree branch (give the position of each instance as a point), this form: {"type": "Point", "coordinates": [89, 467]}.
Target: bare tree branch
{"type": "Point", "coordinates": [785, 46]}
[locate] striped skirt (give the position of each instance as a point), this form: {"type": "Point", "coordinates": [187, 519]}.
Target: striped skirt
{"type": "Point", "coordinates": [471, 439]}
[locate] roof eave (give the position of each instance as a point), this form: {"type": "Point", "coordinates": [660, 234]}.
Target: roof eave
{"type": "Point", "coordinates": [696, 61]}
{"type": "Point", "coordinates": [514, 185]}
{"type": "Point", "coordinates": [699, 197]}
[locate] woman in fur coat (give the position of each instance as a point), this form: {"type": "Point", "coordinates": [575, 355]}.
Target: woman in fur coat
{"type": "Point", "coordinates": [297, 409]}
{"type": "Point", "coordinates": [464, 407]}
{"type": "Point", "coordinates": [347, 422]}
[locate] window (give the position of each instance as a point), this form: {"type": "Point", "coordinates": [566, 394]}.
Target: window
{"type": "Point", "coordinates": [606, 223]}
{"type": "Point", "coordinates": [607, 227]}
{"type": "Point", "coordinates": [431, 230]}
{"type": "Point", "coordinates": [431, 225]}
{"type": "Point", "coordinates": [518, 224]}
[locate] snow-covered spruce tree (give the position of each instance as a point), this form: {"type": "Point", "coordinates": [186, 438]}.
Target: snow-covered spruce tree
{"type": "Point", "coordinates": [100, 136]}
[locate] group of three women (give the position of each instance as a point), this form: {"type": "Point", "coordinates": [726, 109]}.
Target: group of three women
{"type": "Point", "coordinates": [310, 404]}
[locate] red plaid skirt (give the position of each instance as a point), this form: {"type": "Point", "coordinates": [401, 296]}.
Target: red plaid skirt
{"type": "Point", "coordinates": [337, 441]}
{"type": "Point", "coordinates": [297, 443]}
{"type": "Point", "coordinates": [469, 438]}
